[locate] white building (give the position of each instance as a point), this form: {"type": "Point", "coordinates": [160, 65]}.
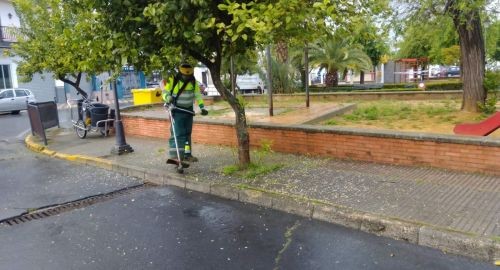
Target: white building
{"type": "Point", "coordinates": [42, 85]}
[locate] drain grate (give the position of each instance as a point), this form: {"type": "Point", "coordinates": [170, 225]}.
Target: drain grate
{"type": "Point", "coordinates": [55, 209]}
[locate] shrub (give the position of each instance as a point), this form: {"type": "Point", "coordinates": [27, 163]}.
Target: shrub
{"type": "Point", "coordinates": [430, 86]}
{"type": "Point", "coordinates": [492, 85]}
{"type": "Point", "coordinates": [492, 81]}
{"type": "Point", "coordinates": [440, 86]}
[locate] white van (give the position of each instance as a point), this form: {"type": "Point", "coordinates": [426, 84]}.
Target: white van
{"type": "Point", "coordinates": [249, 84]}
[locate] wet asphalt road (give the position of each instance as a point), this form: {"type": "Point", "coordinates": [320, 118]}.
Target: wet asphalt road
{"type": "Point", "coordinates": [14, 127]}
{"type": "Point", "coordinates": [31, 181]}
{"type": "Point", "coordinates": [169, 228]}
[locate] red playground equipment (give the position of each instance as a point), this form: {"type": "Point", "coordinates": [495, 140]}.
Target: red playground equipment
{"type": "Point", "coordinates": [483, 128]}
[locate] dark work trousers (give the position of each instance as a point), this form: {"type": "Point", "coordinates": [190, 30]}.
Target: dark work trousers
{"type": "Point", "coordinates": [183, 124]}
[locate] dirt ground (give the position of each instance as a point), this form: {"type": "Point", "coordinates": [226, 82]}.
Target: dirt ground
{"type": "Point", "coordinates": [291, 114]}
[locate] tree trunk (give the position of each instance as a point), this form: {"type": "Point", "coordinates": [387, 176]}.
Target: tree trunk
{"type": "Point", "coordinates": [241, 126]}
{"type": "Point", "coordinates": [303, 77]}
{"type": "Point", "coordinates": [332, 78]}
{"type": "Point", "coordinates": [472, 57]}
{"type": "Point", "coordinates": [75, 84]}
{"type": "Point", "coordinates": [344, 73]}
{"type": "Point", "coordinates": [282, 51]}
{"type": "Point", "coordinates": [361, 77]}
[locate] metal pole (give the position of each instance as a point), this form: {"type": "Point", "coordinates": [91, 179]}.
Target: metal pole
{"type": "Point", "coordinates": [269, 80]}
{"type": "Point", "coordinates": [306, 64]}
{"type": "Point", "coordinates": [121, 146]}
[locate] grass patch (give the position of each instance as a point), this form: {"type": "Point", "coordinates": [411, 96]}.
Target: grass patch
{"type": "Point", "coordinates": [398, 110]}
{"type": "Point", "coordinates": [218, 112]}
{"type": "Point", "coordinates": [230, 170]}
{"type": "Point", "coordinates": [378, 111]}
{"type": "Point", "coordinates": [252, 171]}
{"type": "Point", "coordinates": [390, 111]}
{"type": "Point", "coordinates": [332, 122]}
{"type": "Point", "coordinates": [255, 169]}
{"type": "Point", "coordinates": [435, 116]}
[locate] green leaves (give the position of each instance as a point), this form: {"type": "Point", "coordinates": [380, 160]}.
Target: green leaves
{"type": "Point", "coordinates": [59, 36]}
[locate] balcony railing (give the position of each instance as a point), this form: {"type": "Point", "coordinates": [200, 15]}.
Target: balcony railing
{"type": "Point", "coordinates": [8, 33]}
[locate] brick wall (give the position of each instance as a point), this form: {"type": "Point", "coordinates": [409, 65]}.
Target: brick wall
{"type": "Point", "coordinates": [442, 151]}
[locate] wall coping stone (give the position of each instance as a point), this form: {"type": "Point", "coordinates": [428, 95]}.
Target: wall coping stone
{"type": "Point", "coordinates": [375, 93]}
{"type": "Point", "coordinates": [388, 134]}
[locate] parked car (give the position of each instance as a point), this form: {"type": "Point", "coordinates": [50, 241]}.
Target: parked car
{"type": "Point", "coordinates": [248, 84]}
{"type": "Point", "coordinates": [453, 71]}
{"type": "Point", "coordinates": [435, 72]}
{"type": "Point", "coordinates": [14, 100]}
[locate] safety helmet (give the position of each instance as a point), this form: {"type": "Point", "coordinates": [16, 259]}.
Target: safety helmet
{"type": "Point", "coordinates": [186, 69]}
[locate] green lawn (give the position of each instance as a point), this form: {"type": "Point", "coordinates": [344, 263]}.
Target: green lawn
{"type": "Point", "coordinates": [438, 116]}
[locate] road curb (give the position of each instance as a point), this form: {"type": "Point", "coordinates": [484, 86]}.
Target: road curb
{"type": "Point", "coordinates": [447, 240]}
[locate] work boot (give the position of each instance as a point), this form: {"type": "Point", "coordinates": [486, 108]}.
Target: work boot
{"type": "Point", "coordinates": [175, 161]}
{"type": "Point", "coordinates": [191, 158]}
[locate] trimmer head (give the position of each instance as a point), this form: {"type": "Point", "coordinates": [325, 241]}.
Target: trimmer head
{"type": "Point", "coordinates": [177, 163]}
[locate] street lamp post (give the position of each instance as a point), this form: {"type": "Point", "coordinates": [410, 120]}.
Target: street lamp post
{"type": "Point", "coordinates": [121, 146]}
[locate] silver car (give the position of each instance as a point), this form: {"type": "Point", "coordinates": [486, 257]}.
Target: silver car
{"type": "Point", "coordinates": [14, 100]}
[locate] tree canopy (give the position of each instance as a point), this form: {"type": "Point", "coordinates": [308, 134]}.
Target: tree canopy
{"type": "Point", "coordinates": [75, 36]}
{"type": "Point", "coordinates": [151, 33]}
{"type": "Point", "coordinates": [336, 54]}
{"type": "Point", "coordinates": [58, 37]}
{"type": "Point", "coordinates": [492, 39]}
{"type": "Point", "coordinates": [466, 18]}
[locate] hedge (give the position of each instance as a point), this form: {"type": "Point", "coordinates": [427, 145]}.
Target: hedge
{"type": "Point", "coordinates": [431, 86]}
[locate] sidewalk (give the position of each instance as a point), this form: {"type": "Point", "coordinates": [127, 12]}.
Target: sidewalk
{"type": "Point", "coordinates": [455, 212]}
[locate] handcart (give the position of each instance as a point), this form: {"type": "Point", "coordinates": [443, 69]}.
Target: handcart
{"type": "Point", "coordinates": [92, 117]}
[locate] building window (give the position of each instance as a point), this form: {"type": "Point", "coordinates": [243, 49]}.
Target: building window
{"type": "Point", "coordinates": [5, 80]}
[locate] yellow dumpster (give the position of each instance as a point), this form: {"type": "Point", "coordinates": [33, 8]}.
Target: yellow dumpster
{"type": "Point", "coordinates": [146, 96]}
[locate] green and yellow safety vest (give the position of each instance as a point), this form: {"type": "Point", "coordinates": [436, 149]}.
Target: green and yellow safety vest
{"type": "Point", "coordinates": [187, 96]}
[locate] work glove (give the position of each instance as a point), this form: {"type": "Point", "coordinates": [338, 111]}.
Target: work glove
{"type": "Point", "coordinates": [204, 112]}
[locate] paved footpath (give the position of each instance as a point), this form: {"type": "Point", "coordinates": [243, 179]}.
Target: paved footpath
{"type": "Point", "coordinates": [453, 211]}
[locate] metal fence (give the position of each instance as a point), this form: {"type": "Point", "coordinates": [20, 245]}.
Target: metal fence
{"type": "Point", "coordinates": [43, 115]}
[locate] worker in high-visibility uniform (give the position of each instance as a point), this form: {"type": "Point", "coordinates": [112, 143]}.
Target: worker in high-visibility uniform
{"type": "Point", "coordinates": [181, 91]}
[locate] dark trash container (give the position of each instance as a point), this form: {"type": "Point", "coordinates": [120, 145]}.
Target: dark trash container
{"type": "Point", "coordinates": [98, 112]}
{"type": "Point", "coordinates": [111, 115]}
{"type": "Point", "coordinates": [80, 111]}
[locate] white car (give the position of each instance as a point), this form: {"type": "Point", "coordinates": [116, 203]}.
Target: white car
{"type": "Point", "coordinates": [249, 83]}
{"type": "Point", "coordinates": [14, 100]}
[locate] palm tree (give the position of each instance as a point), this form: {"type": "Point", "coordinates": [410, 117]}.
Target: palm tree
{"type": "Point", "coordinates": [283, 77]}
{"type": "Point", "coordinates": [296, 57]}
{"type": "Point", "coordinates": [334, 55]}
